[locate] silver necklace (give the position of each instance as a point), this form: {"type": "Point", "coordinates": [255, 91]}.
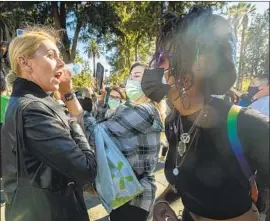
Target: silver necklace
{"type": "Point", "coordinates": [176, 170]}
{"type": "Point", "coordinates": [185, 139]}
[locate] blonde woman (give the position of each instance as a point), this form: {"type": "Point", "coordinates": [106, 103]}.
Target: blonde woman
{"type": "Point", "coordinates": [46, 158]}
{"type": "Point", "coordinates": [136, 127]}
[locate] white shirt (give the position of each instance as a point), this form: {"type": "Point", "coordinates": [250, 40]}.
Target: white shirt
{"type": "Point", "coordinates": [261, 105]}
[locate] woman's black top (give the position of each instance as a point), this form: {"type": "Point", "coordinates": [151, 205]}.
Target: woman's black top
{"type": "Point", "coordinates": [210, 180]}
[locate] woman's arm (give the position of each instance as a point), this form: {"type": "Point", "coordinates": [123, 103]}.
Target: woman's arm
{"type": "Point", "coordinates": [66, 151]}
{"type": "Point", "coordinates": [168, 195]}
{"type": "Point", "coordinates": [254, 133]}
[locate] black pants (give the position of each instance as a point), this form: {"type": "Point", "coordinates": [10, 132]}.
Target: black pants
{"type": "Point", "coordinates": [128, 213]}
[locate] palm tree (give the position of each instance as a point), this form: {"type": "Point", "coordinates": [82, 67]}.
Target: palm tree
{"type": "Point", "coordinates": [239, 16]}
{"type": "Point", "coordinates": [93, 50]}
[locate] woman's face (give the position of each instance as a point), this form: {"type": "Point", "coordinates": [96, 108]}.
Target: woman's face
{"type": "Point", "coordinates": [174, 94]}
{"type": "Point", "coordinates": [137, 73]}
{"type": "Point", "coordinates": [45, 67]}
{"type": "Point", "coordinates": [115, 95]}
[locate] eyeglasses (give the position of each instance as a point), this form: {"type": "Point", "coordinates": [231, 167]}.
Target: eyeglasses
{"type": "Point", "coordinates": [162, 56]}
{"type": "Point", "coordinates": [114, 97]}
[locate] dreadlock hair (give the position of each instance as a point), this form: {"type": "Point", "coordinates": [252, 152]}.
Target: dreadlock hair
{"type": "Point", "coordinates": [200, 33]}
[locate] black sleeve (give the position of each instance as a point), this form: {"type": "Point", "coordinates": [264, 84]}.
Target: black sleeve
{"type": "Point", "coordinates": [50, 141]}
{"type": "Point", "coordinates": [254, 134]}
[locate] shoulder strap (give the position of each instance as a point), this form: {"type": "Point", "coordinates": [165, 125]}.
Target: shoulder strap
{"type": "Point", "coordinates": [237, 149]}
{"type": "Point", "coordinates": [235, 142]}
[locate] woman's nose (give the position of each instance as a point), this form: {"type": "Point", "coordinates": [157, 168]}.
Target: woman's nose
{"type": "Point", "coordinates": [60, 63]}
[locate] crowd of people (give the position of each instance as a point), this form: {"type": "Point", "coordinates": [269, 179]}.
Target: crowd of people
{"type": "Point", "coordinates": [217, 142]}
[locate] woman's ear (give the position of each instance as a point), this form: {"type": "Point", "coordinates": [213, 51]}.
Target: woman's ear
{"type": "Point", "coordinates": [24, 64]}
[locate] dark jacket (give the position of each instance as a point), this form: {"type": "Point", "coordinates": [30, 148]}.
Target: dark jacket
{"type": "Point", "coordinates": [55, 160]}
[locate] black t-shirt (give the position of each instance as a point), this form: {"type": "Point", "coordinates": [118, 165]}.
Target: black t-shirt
{"type": "Point", "coordinates": [210, 180]}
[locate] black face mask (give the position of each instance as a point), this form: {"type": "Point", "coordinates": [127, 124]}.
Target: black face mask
{"type": "Point", "coordinates": [152, 85]}
{"type": "Point", "coordinates": [253, 90]}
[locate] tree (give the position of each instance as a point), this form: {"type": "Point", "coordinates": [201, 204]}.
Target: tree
{"type": "Point", "coordinates": [93, 50]}
{"type": "Point", "coordinates": [85, 18]}
{"type": "Point", "coordinates": [139, 26]}
{"type": "Point", "coordinates": [256, 54]}
{"type": "Point", "coordinates": [16, 15]}
{"type": "Point", "coordinates": [83, 79]}
{"type": "Point", "coordinates": [239, 16]}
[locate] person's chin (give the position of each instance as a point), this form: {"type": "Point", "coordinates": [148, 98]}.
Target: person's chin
{"type": "Point", "coordinates": [53, 88]}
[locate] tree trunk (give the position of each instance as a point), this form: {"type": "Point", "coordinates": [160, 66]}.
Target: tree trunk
{"type": "Point", "coordinates": [94, 65]}
{"type": "Point", "coordinates": [136, 52]}
{"type": "Point", "coordinates": [59, 17]}
{"type": "Point", "coordinates": [75, 40]}
{"type": "Point", "coordinates": [136, 47]}
{"type": "Point", "coordinates": [266, 63]}
{"type": "Point", "coordinates": [239, 82]}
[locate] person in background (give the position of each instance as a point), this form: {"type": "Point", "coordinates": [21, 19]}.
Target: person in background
{"type": "Point", "coordinates": [86, 99]}
{"type": "Point", "coordinates": [196, 51]}
{"type": "Point", "coordinates": [116, 97]}
{"type": "Point", "coordinates": [259, 93]}
{"type": "Point", "coordinates": [3, 106]}
{"type": "Point", "coordinates": [245, 100]}
{"type": "Point", "coordinates": [107, 89]}
{"type": "Point", "coordinates": [46, 157]}
{"type": "Point", "coordinates": [136, 127]}
{"type": "Point", "coordinates": [4, 63]}
{"type": "Point", "coordinates": [4, 97]}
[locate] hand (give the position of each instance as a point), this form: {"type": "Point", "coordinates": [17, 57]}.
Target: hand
{"type": "Point", "coordinates": [66, 83]}
{"type": "Point", "coordinates": [102, 95]}
{"type": "Point", "coordinates": [163, 212]}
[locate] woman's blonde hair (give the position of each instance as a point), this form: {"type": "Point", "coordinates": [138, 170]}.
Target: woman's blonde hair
{"type": "Point", "coordinates": [28, 42]}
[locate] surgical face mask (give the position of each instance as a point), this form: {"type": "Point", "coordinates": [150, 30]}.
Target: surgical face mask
{"type": "Point", "coordinates": [154, 84]}
{"type": "Point", "coordinates": [134, 90]}
{"type": "Point", "coordinates": [253, 90]}
{"type": "Point", "coordinates": [113, 103]}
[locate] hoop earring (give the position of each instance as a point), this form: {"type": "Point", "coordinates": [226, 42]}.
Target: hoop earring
{"type": "Point", "coordinates": [185, 99]}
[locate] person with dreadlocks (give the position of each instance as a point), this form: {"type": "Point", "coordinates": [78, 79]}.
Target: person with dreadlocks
{"type": "Point", "coordinates": [214, 148]}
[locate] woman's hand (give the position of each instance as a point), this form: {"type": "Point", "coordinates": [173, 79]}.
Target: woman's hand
{"type": "Point", "coordinates": [66, 83]}
{"type": "Point", "coordinates": [163, 212]}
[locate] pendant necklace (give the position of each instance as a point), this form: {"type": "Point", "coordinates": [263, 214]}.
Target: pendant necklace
{"type": "Point", "coordinates": [185, 139]}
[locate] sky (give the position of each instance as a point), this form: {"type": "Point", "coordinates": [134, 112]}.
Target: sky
{"type": "Point", "coordinates": [260, 8]}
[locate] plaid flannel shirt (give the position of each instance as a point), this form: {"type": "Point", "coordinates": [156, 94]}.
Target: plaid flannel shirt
{"type": "Point", "coordinates": [135, 129]}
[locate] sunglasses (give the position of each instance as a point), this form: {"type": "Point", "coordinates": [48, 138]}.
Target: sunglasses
{"type": "Point", "coordinates": [162, 56]}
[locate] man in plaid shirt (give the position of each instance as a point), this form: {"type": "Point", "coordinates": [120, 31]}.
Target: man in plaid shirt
{"type": "Point", "coordinates": [135, 129]}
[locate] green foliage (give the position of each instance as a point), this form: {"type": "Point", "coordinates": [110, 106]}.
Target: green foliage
{"type": "Point", "coordinates": [93, 50]}
{"type": "Point", "coordinates": [239, 17]}
{"type": "Point", "coordinates": [16, 15]}
{"type": "Point", "coordinates": [256, 54]}
{"type": "Point", "coordinates": [86, 19]}
{"type": "Point", "coordinates": [84, 79]}
{"type": "Point", "coordinates": [139, 26]}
